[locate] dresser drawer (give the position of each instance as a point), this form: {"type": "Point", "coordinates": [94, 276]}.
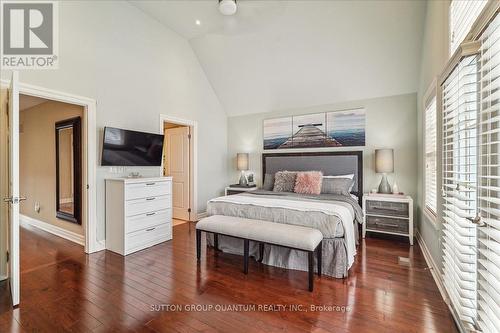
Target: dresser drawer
{"type": "Point", "coordinates": [147, 205]}
{"type": "Point", "coordinates": [387, 224]}
{"type": "Point", "coordinates": [147, 189]}
{"type": "Point", "coordinates": [142, 239]}
{"type": "Point", "coordinates": [148, 220]}
{"type": "Point", "coordinates": [387, 208]}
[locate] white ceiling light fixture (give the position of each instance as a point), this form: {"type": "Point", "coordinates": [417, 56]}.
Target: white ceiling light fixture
{"type": "Point", "coordinates": [227, 7]}
{"type": "Point", "coordinates": [197, 22]}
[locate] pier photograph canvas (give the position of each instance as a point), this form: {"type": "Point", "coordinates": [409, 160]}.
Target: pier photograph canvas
{"type": "Point", "coordinates": [327, 129]}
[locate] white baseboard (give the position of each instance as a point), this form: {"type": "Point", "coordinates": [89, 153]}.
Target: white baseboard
{"type": "Point", "coordinates": [202, 215]}
{"type": "Point", "coordinates": [436, 274]}
{"type": "Point", "coordinates": [100, 245]}
{"type": "Point", "coordinates": [50, 228]}
{"type": "Point", "coordinates": [433, 267]}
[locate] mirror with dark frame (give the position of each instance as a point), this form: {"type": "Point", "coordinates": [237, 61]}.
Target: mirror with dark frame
{"type": "Point", "coordinates": [68, 170]}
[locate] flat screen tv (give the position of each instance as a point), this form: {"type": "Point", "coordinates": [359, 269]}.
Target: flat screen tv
{"type": "Point", "coordinates": [130, 148]}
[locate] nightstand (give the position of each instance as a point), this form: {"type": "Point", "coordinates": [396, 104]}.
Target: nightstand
{"type": "Point", "coordinates": [230, 190]}
{"type": "Point", "coordinates": [388, 214]}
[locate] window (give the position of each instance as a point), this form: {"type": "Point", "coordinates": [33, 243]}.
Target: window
{"type": "Point", "coordinates": [460, 107]}
{"type": "Point", "coordinates": [489, 180]}
{"type": "Point", "coordinates": [463, 13]}
{"type": "Point", "coordinates": [430, 157]}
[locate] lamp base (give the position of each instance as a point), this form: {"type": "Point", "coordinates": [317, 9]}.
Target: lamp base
{"type": "Point", "coordinates": [384, 186]}
{"type": "Point", "coordinates": [243, 179]}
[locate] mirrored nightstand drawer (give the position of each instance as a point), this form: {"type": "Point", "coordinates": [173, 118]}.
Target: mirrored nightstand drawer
{"type": "Point", "coordinates": [387, 208]}
{"type": "Point", "coordinates": [387, 224]}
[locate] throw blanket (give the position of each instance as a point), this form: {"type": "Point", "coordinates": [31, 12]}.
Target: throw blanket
{"type": "Point", "coordinates": [329, 208]}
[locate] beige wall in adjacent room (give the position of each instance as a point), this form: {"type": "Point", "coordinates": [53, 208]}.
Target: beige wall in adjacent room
{"type": "Point", "coordinates": [38, 160]}
{"type": "Point", "coordinates": [390, 123]}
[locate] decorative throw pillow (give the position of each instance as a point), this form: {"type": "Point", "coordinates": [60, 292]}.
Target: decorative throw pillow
{"type": "Point", "coordinates": [350, 176]}
{"type": "Point", "coordinates": [284, 181]}
{"type": "Point", "coordinates": [339, 186]}
{"type": "Point", "coordinates": [268, 182]}
{"type": "Point", "coordinates": [308, 182]}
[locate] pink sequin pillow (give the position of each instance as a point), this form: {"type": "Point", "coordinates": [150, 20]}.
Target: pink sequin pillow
{"type": "Point", "coordinates": [308, 182]}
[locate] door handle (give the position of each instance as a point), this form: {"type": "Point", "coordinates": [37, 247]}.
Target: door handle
{"type": "Point", "coordinates": [14, 200]}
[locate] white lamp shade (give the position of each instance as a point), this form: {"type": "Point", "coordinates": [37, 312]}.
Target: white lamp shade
{"type": "Point", "coordinates": [242, 161]}
{"type": "Point", "coordinates": [384, 160]}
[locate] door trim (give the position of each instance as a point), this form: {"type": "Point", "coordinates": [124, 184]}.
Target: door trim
{"type": "Point", "coordinates": [89, 133]}
{"type": "Point", "coordinates": [193, 159]}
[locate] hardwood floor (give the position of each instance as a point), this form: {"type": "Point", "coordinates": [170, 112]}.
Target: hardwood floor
{"type": "Point", "coordinates": [178, 222]}
{"type": "Point", "coordinates": [66, 290]}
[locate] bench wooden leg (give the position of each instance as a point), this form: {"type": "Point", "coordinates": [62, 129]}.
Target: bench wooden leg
{"type": "Point", "coordinates": [245, 256]}
{"type": "Point", "coordinates": [216, 242]}
{"type": "Point", "coordinates": [319, 253]}
{"type": "Point", "coordinates": [261, 252]}
{"type": "Point", "coordinates": [198, 244]}
{"type": "Point", "coordinates": [310, 259]}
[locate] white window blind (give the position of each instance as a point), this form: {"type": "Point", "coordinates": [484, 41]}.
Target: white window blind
{"type": "Point", "coordinates": [489, 181]}
{"type": "Point", "coordinates": [430, 157]}
{"type": "Point", "coordinates": [463, 13]}
{"type": "Point", "coordinates": [460, 107]}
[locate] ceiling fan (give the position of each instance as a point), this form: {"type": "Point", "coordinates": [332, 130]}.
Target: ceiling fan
{"type": "Point", "coordinates": [228, 7]}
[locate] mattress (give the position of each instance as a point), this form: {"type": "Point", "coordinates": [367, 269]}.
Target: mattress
{"type": "Point", "coordinates": [329, 225]}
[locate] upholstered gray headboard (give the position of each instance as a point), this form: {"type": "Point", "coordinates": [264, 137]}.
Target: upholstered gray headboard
{"type": "Point", "coordinates": [330, 163]}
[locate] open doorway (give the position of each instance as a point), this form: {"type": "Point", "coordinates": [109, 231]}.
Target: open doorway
{"type": "Point", "coordinates": [178, 163]}
{"type": "Point", "coordinates": [51, 160]}
{"type": "Point", "coordinates": [11, 163]}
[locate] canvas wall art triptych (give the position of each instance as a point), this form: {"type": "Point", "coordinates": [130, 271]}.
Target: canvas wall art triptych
{"type": "Point", "coordinates": [327, 129]}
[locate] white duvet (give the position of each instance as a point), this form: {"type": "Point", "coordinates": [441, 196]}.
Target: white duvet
{"type": "Point", "coordinates": [328, 207]}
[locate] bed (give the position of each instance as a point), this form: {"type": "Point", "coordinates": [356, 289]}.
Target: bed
{"type": "Point", "coordinates": [336, 216]}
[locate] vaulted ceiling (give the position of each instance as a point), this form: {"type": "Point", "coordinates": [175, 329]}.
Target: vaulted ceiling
{"type": "Point", "coordinates": [288, 54]}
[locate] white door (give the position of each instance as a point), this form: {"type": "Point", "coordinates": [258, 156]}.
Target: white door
{"type": "Point", "coordinates": [13, 200]}
{"type": "Point", "coordinates": [176, 164]}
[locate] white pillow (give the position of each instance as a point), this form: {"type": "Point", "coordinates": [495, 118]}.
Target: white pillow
{"type": "Point", "coordinates": [341, 176]}
{"type": "Point", "coordinates": [351, 176]}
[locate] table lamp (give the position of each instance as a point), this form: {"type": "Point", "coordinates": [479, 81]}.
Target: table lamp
{"type": "Point", "coordinates": [242, 165]}
{"type": "Point", "coordinates": [384, 163]}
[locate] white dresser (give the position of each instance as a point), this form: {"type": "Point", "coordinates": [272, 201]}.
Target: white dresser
{"type": "Point", "coordinates": [138, 213]}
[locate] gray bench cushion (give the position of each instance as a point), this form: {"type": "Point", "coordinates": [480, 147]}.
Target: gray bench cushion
{"type": "Point", "coordinates": [298, 237]}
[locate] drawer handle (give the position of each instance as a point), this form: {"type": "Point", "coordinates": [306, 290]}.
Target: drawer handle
{"type": "Point", "coordinates": [387, 224]}
{"type": "Point", "coordinates": [150, 184]}
{"type": "Point", "coordinates": [150, 229]}
{"type": "Point", "coordinates": [387, 208]}
{"type": "Point", "coordinates": [149, 199]}
{"type": "Point", "coordinates": [151, 214]}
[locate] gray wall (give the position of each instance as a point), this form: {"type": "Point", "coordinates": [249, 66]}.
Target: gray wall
{"type": "Point", "coordinates": [390, 123]}
{"type": "Point", "coordinates": [136, 69]}
{"type": "Point", "coordinates": [434, 56]}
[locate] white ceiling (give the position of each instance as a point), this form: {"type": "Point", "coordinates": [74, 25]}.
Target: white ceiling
{"type": "Point", "coordinates": [290, 54]}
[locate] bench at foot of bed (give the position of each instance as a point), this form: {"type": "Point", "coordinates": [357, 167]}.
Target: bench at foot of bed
{"type": "Point", "coordinates": [263, 232]}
